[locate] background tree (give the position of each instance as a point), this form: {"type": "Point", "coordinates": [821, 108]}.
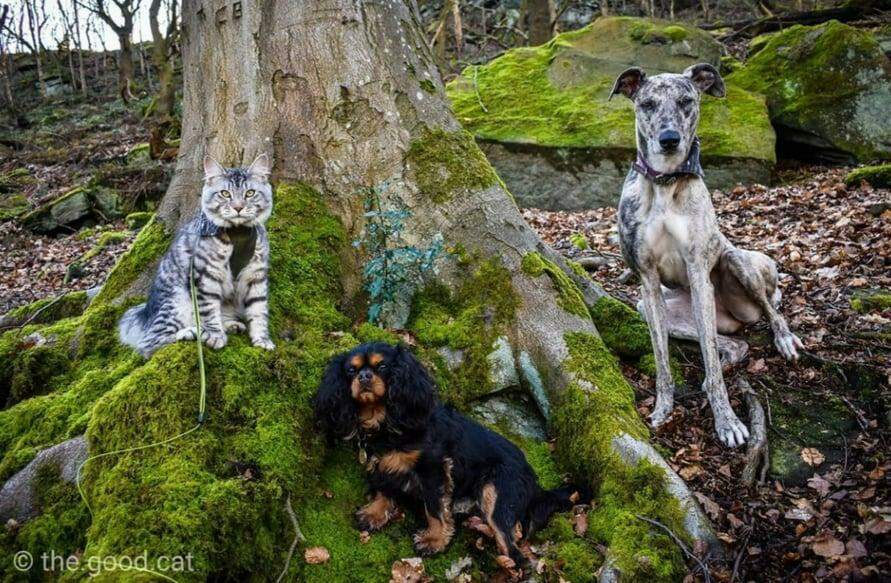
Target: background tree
{"type": "Point", "coordinates": [540, 20]}
{"type": "Point", "coordinates": [163, 52]}
{"type": "Point", "coordinates": [123, 28]}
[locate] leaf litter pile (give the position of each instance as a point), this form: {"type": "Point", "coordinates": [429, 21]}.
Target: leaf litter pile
{"type": "Point", "coordinates": [832, 244]}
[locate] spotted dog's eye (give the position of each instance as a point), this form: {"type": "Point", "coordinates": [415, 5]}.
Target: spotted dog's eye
{"type": "Point", "coordinates": [249, 193]}
{"type": "Point", "coordinates": [648, 105]}
{"type": "Point", "coordinates": [685, 101]}
{"type": "Point", "coordinates": [225, 194]}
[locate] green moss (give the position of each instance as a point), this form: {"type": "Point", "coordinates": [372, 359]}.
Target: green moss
{"type": "Point", "coordinates": [579, 241]}
{"type": "Point", "coordinates": [428, 86]}
{"type": "Point", "coordinates": [368, 332]}
{"type": "Point", "coordinates": [105, 239]}
{"type": "Point", "coordinates": [568, 295]}
{"type": "Point", "coordinates": [13, 205]}
{"type": "Point", "coordinates": [588, 413]}
{"type": "Point", "coordinates": [448, 164]}
{"type": "Point", "coordinates": [621, 327]}
{"type": "Point", "coordinates": [647, 365]}
{"type": "Point", "coordinates": [829, 80]}
{"type": "Point", "coordinates": [60, 527]}
{"type": "Point", "coordinates": [468, 320]}
{"type": "Point", "coordinates": [48, 310]}
{"type": "Point", "coordinates": [137, 220]}
{"type": "Point", "coordinates": [871, 301]}
{"type": "Point", "coordinates": [568, 556]}
{"type": "Point", "coordinates": [878, 176]}
{"type": "Point", "coordinates": [148, 247]}
{"type": "Point", "coordinates": [556, 94]}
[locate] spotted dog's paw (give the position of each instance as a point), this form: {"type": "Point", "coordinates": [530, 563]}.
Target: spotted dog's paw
{"type": "Point", "coordinates": [731, 431]}
{"type": "Point", "coordinates": [788, 345]}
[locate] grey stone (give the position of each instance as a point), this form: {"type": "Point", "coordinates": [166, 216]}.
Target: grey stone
{"type": "Point", "coordinates": [502, 366]}
{"type": "Point", "coordinates": [514, 411]}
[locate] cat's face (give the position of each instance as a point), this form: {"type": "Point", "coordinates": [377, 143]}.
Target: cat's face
{"type": "Point", "coordinates": [234, 197]}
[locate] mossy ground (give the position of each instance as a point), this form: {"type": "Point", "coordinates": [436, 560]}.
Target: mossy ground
{"type": "Point", "coordinates": [556, 94]}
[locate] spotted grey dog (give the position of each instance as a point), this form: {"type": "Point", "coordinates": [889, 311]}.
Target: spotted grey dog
{"type": "Point", "coordinates": [695, 284]}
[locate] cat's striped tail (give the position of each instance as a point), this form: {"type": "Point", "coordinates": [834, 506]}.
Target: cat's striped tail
{"type": "Point", "coordinates": [131, 328]}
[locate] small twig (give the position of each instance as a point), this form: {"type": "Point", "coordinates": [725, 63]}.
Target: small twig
{"type": "Point", "coordinates": [739, 557]}
{"type": "Point", "coordinates": [476, 89]}
{"type": "Point", "coordinates": [298, 538]}
{"type": "Point", "coordinates": [757, 452]}
{"type": "Point", "coordinates": [679, 543]}
{"type": "Point", "coordinates": [861, 419]}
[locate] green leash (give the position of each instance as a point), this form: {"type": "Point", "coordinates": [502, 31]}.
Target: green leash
{"type": "Point", "coordinates": [202, 409]}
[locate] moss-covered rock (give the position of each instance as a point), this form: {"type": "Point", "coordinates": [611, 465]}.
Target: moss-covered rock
{"type": "Point", "coordinates": [138, 220]}
{"type": "Point", "coordinates": [877, 176]}
{"type": "Point", "coordinates": [545, 112]}
{"type": "Point", "coordinates": [47, 310]}
{"type": "Point", "coordinates": [876, 300]}
{"type": "Point", "coordinates": [73, 208]}
{"type": "Point", "coordinates": [828, 87]}
{"type": "Point", "coordinates": [621, 327]}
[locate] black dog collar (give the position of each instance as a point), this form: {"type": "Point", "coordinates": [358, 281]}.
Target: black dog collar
{"type": "Point", "coordinates": [690, 167]}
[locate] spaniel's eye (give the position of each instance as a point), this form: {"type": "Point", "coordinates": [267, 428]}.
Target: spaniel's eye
{"type": "Point", "coordinates": [382, 366]}
{"type": "Point", "coordinates": [225, 194]}
{"type": "Point", "coordinates": [648, 105]}
{"type": "Point", "coordinates": [351, 371]}
{"type": "Point", "coordinates": [249, 193]}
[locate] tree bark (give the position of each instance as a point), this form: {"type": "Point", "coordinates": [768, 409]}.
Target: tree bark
{"type": "Point", "coordinates": [125, 66]}
{"type": "Point", "coordinates": [540, 16]}
{"type": "Point", "coordinates": [162, 61]}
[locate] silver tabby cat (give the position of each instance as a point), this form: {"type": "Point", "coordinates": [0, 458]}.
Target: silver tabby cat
{"type": "Point", "coordinates": [230, 249]}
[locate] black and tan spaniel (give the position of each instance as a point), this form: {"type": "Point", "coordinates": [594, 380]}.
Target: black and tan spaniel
{"type": "Point", "coordinates": [426, 456]}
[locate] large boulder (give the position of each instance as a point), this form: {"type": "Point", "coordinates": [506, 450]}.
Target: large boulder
{"type": "Point", "coordinates": [828, 88]}
{"type": "Point", "coordinates": [541, 113]}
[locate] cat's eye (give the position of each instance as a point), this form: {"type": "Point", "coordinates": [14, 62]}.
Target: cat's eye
{"type": "Point", "coordinates": [225, 194]}
{"type": "Point", "coordinates": [250, 193]}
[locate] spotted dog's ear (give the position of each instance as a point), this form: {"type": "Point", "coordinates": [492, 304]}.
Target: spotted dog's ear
{"type": "Point", "coordinates": [706, 78]}
{"type": "Point", "coordinates": [629, 83]}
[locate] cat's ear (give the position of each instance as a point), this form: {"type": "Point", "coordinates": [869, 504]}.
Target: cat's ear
{"type": "Point", "coordinates": [261, 167]}
{"type": "Point", "coordinates": [212, 168]}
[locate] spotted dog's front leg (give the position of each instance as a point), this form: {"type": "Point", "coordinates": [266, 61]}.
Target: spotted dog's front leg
{"type": "Point", "coordinates": [654, 308]}
{"type": "Point", "coordinates": [731, 431]}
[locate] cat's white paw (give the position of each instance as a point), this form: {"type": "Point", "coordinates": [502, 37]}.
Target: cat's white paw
{"type": "Point", "coordinates": [264, 343]}
{"type": "Point", "coordinates": [185, 334]}
{"type": "Point", "coordinates": [234, 327]}
{"type": "Point", "coordinates": [214, 340]}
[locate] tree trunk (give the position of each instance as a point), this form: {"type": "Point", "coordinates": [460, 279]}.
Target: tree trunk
{"type": "Point", "coordinates": [162, 62]}
{"type": "Point", "coordinates": [78, 43]}
{"type": "Point", "coordinates": [125, 66]}
{"type": "Point", "coordinates": [346, 98]}
{"type": "Point", "coordinates": [540, 15]}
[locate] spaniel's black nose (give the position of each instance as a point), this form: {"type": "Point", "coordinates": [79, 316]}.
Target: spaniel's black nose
{"type": "Point", "coordinates": [365, 376]}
